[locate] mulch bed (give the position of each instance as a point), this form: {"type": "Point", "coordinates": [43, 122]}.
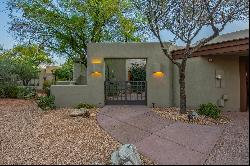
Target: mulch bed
{"type": "Point", "coordinates": [31, 136]}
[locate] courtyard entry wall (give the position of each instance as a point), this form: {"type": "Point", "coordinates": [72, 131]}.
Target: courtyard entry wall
{"type": "Point", "coordinates": [159, 83]}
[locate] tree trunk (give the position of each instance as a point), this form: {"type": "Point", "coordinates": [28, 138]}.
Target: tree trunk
{"type": "Point", "coordinates": [182, 83]}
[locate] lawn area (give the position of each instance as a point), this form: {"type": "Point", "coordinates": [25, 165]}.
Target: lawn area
{"type": "Point", "coordinates": [31, 136]}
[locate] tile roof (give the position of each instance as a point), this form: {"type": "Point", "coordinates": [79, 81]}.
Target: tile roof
{"type": "Point", "coordinates": [242, 34]}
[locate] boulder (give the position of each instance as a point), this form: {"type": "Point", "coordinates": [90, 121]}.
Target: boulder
{"type": "Point", "coordinates": [79, 112]}
{"type": "Point", "coordinates": [194, 114]}
{"type": "Point", "coordinates": [126, 155]}
{"type": "Point", "coordinates": [92, 115]}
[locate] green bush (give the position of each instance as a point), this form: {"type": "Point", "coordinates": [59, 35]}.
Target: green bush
{"type": "Point", "coordinates": [209, 110]}
{"type": "Point", "coordinates": [84, 105]}
{"type": "Point", "coordinates": [138, 72]}
{"type": "Point", "coordinates": [46, 86]}
{"type": "Point", "coordinates": [26, 93]}
{"type": "Point", "coordinates": [2, 91]}
{"type": "Point", "coordinates": [46, 102]}
{"type": "Point", "coordinates": [8, 91]}
{"type": "Point", "coordinates": [13, 91]}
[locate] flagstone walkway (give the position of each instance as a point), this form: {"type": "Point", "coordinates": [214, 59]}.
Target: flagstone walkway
{"type": "Point", "coordinates": [164, 141]}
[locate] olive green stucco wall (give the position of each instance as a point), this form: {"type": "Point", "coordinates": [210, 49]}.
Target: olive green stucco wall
{"type": "Point", "coordinates": [201, 83]}
{"type": "Point", "coordinates": [202, 86]}
{"type": "Point", "coordinates": [159, 90]}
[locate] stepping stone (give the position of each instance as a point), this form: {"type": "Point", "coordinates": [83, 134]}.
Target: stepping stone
{"type": "Point", "coordinates": [166, 152]}
{"type": "Point", "coordinates": [123, 113]}
{"type": "Point", "coordinates": [127, 134]}
{"type": "Point", "coordinates": [149, 121]}
{"type": "Point", "coordinates": [201, 138]}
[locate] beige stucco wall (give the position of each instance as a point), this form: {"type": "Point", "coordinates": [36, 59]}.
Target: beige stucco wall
{"type": "Point", "coordinates": [202, 86]}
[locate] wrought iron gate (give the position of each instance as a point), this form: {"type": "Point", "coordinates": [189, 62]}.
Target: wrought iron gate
{"type": "Point", "coordinates": [125, 92]}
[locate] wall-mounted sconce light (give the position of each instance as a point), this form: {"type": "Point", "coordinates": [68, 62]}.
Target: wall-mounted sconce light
{"type": "Point", "coordinates": [218, 77]}
{"type": "Point", "coordinates": [96, 61]}
{"type": "Point", "coordinates": [96, 67]}
{"type": "Point", "coordinates": [158, 71]}
{"type": "Point", "coordinates": [96, 70]}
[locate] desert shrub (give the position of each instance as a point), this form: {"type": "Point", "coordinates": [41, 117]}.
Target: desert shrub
{"type": "Point", "coordinates": [209, 110]}
{"type": "Point", "coordinates": [8, 91]}
{"type": "Point", "coordinates": [26, 93]}
{"type": "Point", "coordinates": [13, 91]}
{"type": "Point", "coordinates": [138, 72]}
{"type": "Point", "coordinates": [46, 102]}
{"type": "Point", "coordinates": [46, 86]}
{"type": "Point", "coordinates": [84, 105]}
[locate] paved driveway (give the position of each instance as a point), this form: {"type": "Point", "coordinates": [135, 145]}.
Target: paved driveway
{"type": "Point", "coordinates": [164, 141]}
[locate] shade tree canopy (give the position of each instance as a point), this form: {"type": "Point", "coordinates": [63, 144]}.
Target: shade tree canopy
{"type": "Point", "coordinates": [186, 19]}
{"type": "Point", "coordinates": [66, 27]}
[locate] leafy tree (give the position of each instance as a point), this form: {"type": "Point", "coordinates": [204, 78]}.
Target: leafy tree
{"type": "Point", "coordinates": [26, 71]}
{"type": "Point", "coordinates": [65, 72]}
{"type": "Point", "coordinates": [66, 27]}
{"type": "Point", "coordinates": [6, 69]}
{"type": "Point", "coordinates": [185, 19]}
{"type": "Point", "coordinates": [1, 49]}
{"type": "Point", "coordinates": [23, 61]}
{"type": "Point", "coordinates": [28, 53]}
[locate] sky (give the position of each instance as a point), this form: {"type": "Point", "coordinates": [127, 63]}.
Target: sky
{"type": "Point", "coordinates": [8, 41]}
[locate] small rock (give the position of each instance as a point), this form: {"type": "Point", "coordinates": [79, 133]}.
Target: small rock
{"type": "Point", "coordinates": [92, 115]}
{"type": "Point", "coordinates": [79, 112]}
{"type": "Point", "coordinates": [126, 155]}
{"type": "Point", "coordinates": [194, 114]}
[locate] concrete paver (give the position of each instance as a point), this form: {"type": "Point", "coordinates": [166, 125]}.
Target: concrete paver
{"type": "Point", "coordinates": [124, 112]}
{"type": "Point", "coordinates": [149, 121]}
{"type": "Point", "coordinates": [168, 153]}
{"type": "Point", "coordinates": [164, 141]}
{"type": "Point", "coordinates": [198, 137]}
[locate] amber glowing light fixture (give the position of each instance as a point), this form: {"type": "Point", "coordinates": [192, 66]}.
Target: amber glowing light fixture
{"type": "Point", "coordinates": [157, 69]}
{"type": "Point", "coordinates": [96, 67]}
{"type": "Point", "coordinates": [96, 61]}
{"type": "Point", "coordinates": [158, 74]}
{"type": "Point", "coordinates": [96, 74]}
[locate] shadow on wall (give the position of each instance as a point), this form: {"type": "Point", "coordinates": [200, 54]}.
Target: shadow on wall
{"type": "Point", "coordinates": [80, 74]}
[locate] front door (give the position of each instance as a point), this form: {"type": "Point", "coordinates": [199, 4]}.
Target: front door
{"type": "Point", "coordinates": [125, 92]}
{"type": "Point", "coordinates": [244, 83]}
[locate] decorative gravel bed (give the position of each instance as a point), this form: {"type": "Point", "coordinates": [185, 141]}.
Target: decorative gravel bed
{"type": "Point", "coordinates": [233, 146]}
{"type": "Point", "coordinates": [31, 136]}
{"type": "Point", "coordinates": [173, 113]}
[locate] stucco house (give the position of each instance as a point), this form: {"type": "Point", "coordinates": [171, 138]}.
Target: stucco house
{"type": "Point", "coordinates": [217, 73]}
{"type": "Point", "coordinates": [46, 74]}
